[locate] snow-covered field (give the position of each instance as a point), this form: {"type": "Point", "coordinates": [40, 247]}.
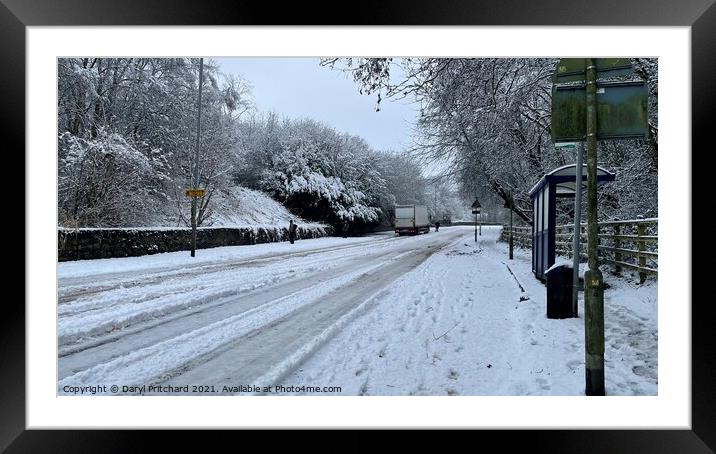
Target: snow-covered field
{"type": "Point", "coordinates": [434, 314]}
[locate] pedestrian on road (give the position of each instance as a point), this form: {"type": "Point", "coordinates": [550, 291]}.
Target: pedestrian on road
{"type": "Point", "coordinates": [292, 231]}
{"type": "Point", "coordinates": [437, 225]}
{"type": "Point", "coordinates": [344, 228]}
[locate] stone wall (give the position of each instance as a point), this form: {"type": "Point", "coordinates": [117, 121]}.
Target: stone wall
{"type": "Point", "coordinates": [82, 244]}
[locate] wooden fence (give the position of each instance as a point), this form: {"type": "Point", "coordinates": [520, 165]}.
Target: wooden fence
{"type": "Point", "coordinates": [631, 244]}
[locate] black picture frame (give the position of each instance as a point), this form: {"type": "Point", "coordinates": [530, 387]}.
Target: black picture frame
{"type": "Point", "coordinates": [16, 15]}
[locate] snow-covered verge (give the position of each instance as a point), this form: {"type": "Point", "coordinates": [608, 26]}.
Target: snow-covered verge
{"type": "Point", "coordinates": [468, 321]}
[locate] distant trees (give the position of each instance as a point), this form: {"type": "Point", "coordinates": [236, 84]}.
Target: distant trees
{"type": "Point", "coordinates": [321, 174]}
{"type": "Point", "coordinates": [126, 138]}
{"type": "Point", "coordinates": [444, 202]}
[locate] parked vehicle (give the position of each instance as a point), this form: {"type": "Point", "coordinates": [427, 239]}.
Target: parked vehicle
{"type": "Point", "coordinates": [411, 219]}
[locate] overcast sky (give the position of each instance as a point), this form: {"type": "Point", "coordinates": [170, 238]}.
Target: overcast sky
{"type": "Point", "coordinates": [300, 87]}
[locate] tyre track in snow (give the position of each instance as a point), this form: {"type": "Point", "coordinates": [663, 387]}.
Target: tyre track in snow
{"type": "Point", "coordinates": [117, 348]}
{"type": "Point", "coordinates": [72, 288]}
{"type": "Point", "coordinates": [77, 357]}
{"type": "Point", "coordinates": [268, 354]}
{"type": "Point", "coordinates": [119, 308]}
{"type": "Point", "coordinates": [149, 364]}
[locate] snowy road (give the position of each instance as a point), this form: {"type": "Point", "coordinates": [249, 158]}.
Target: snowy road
{"type": "Point", "coordinates": [436, 314]}
{"type": "Point", "coordinates": [234, 315]}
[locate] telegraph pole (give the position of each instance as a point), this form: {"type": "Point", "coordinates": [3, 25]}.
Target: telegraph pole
{"type": "Point", "coordinates": [195, 177]}
{"type": "Point", "coordinates": [593, 279]}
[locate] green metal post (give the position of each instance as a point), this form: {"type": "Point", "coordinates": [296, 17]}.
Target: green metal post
{"type": "Point", "coordinates": [593, 279]}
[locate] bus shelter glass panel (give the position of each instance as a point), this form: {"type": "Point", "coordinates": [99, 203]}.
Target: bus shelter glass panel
{"type": "Point", "coordinates": [559, 183]}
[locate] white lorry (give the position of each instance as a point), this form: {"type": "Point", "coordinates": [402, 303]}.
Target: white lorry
{"type": "Point", "coordinates": [411, 219]}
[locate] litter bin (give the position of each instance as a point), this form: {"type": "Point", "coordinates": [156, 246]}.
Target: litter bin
{"type": "Point", "coordinates": [559, 292]}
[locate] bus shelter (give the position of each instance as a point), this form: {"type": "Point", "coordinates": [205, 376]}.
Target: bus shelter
{"type": "Point", "coordinates": [559, 183]}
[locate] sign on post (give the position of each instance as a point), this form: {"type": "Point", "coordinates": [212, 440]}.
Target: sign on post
{"type": "Point", "coordinates": [195, 192]}
{"type": "Point", "coordinates": [575, 69]}
{"type": "Point", "coordinates": [621, 111]}
{"type": "Point", "coordinates": [475, 211]}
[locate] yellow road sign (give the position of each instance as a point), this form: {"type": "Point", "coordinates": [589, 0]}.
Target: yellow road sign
{"type": "Point", "coordinates": [195, 192]}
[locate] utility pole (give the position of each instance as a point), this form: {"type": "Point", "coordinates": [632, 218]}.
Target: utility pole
{"type": "Point", "coordinates": [577, 231]}
{"type": "Point", "coordinates": [195, 177]}
{"type": "Point", "coordinates": [593, 279]}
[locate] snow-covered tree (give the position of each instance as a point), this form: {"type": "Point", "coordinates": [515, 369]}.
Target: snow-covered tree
{"type": "Point", "coordinates": [104, 181]}
{"type": "Point", "coordinates": [488, 121]}
{"type": "Point", "coordinates": [150, 103]}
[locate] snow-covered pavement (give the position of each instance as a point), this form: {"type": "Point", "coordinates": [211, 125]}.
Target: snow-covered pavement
{"type": "Point", "coordinates": [460, 324]}
{"type": "Point", "coordinates": [382, 315]}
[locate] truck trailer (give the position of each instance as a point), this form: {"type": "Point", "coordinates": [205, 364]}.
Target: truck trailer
{"type": "Point", "coordinates": [411, 219]}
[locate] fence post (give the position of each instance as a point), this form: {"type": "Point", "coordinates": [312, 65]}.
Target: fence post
{"type": "Point", "coordinates": [617, 244]}
{"type": "Point", "coordinates": [512, 228]}
{"type": "Point", "coordinates": [641, 231]}
{"type": "Point", "coordinates": [582, 234]}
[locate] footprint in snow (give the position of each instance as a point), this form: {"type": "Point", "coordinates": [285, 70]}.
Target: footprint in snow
{"type": "Point", "coordinates": [543, 384]}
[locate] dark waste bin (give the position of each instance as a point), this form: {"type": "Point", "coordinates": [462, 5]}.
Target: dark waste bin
{"type": "Point", "coordinates": [559, 292]}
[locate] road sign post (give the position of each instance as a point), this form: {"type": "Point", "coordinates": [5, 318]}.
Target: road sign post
{"type": "Point", "coordinates": [586, 108]}
{"type": "Point", "coordinates": [476, 211]}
